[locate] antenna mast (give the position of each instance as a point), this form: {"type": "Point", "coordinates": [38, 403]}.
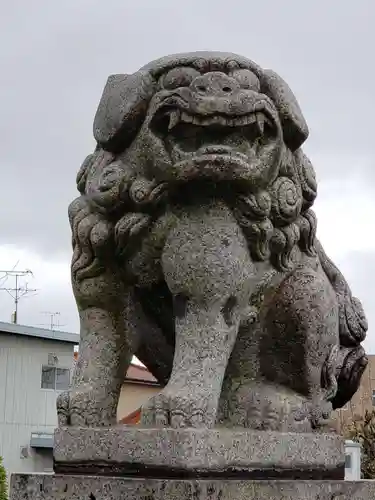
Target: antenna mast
{"type": "Point", "coordinates": [52, 322]}
{"type": "Point", "coordinates": [18, 291]}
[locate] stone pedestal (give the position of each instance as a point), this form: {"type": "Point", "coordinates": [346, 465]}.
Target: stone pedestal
{"type": "Point", "coordinates": [185, 464]}
{"type": "Point", "coordinates": [66, 487]}
{"type": "Point", "coordinates": [198, 453]}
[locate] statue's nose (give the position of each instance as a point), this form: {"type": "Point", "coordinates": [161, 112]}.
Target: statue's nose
{"type": "Point", "coordinates": [214, 84]}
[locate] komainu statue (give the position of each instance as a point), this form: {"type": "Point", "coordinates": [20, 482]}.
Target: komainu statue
{"type": "Point", "coordinates": [195, 249]}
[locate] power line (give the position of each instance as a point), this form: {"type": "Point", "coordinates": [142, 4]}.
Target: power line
{"type": "Point", "coordinates": [4, 278]}
{"type": "Point", "coordinates": [18, 291]}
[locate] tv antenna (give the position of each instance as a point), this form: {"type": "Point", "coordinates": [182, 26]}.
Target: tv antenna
{"type": "Point", "coordinates": [52, 324]}
{"type": "Point", "coordinates": [18, 291]}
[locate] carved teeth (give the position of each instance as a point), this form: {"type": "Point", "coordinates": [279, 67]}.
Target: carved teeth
{"type": "Point", "coordinates": [174, 119]}
{"type": "Point", "coordinates": [245, 120]}
{"type": "Point", "coordinates": [215, 120]}
{"type": "Point", "coordinates": [258, 119]}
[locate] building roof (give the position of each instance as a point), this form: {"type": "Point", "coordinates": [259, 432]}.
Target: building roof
{"type": "Point", "coordinates": [133, 418]}
{"type": "Point", "coordinates": [42, 333]}
{"type": "Point", "coordinates": [138, 374]}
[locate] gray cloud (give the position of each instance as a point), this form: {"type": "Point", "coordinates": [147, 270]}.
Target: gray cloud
{"type": "Point", "coordinates": [56, 58]}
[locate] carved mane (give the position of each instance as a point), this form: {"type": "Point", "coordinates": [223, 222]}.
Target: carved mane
{"type": "Point", "coordinates": [278, 219]}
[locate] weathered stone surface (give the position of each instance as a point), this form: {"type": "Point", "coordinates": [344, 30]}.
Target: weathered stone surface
{"type": "Point", "coordinates": [198, 453]}
{"type": "Point", "coordinates": [195, 248]}
{"type": "Point", "coordinates": [47, 487]}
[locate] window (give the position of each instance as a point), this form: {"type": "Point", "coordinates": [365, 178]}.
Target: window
{"type": "Point", "coordinates": [348, 461]}
{"type": "Point", "coordinates": [57, 379]}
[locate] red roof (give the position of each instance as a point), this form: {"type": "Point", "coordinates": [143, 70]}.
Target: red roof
{"type": "Point", "coordinates": [136, 374]}
{"type": "Point", "coordinates": [132, 419]}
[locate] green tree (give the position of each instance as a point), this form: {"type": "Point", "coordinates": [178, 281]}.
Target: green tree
{"type": "Point", "coordinates": [3, 482]}
{"type": "Point", "coordinates": [363, 431]}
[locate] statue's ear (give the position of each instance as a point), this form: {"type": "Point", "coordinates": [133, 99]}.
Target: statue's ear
{"type": "Point", "coordinates": [122, 109]}
{"type": "Point", "coordinates": [295, 128]}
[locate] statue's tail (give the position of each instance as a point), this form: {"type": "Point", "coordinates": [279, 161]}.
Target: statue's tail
{"type": "Point", "coordinates": [351, 360]}
{"type": "Point", "coordinates": [353, 322]}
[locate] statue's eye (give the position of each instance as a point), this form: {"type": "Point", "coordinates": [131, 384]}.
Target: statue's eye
{"type": "Point", "coordinates": [179, 77]}
{"type": "Point", "coordinates": [247, 79]}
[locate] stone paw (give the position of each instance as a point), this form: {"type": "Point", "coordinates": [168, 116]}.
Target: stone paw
{"type": "Point", "coordinates": [80, 409]}
{"type": "Point", "coordinates": [317, 414]}
{"type": "Point", "coordinates": [178, 410]}
{"type": "Point", "coordinates": [62, 404]}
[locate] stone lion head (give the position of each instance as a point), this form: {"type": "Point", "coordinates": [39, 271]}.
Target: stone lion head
{"type": "Point", "coordinates": [204, 124]}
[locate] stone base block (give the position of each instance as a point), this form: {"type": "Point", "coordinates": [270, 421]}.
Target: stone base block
{"type": "Point", "coordinates": [60, 487]}
{"type": "Point", "coordinates": [198, 453]}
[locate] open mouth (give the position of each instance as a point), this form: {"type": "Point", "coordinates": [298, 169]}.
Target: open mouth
{"type": "Point", "coordinates": [187, 136]}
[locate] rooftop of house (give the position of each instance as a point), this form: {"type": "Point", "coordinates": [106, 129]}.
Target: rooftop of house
{"type": "Point", "coordinates": [139, 374]}
{"type": "Point", "coordinates": [42, 333]}
{"type": "Point", "coordinates": [136, 374]}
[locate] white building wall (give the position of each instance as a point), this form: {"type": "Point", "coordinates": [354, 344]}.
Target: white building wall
{"type": "Point", "coordinates": [24, 406]}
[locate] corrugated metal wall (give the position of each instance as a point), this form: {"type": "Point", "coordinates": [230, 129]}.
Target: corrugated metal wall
{"type": "Point", "coordinates": [24, 406]}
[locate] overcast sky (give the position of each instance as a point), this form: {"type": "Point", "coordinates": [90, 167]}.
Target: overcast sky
{"type": "Point", "coordinates": [56, 56]}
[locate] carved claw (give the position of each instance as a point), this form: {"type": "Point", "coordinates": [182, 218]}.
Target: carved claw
{"type": "Point", "coordinates": [62, 403]}
{"type": "Point", "coordinates": [179, 409]}
{"type": "Point", "coordinates": [79, 408]}
{"type": "Point", "coordinates": [69, 412]}
{"type": "Point", "coordinates": [316, 413]}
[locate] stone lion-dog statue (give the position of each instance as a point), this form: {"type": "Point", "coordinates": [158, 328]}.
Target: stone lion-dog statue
{"type": "Point", "coordinates": [195, 249]}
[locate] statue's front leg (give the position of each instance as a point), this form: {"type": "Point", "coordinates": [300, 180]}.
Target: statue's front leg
{"type": "Point", "coordinates": [107, 336]}
{"type": "Point", "coordinates": [209, 272]}
{"type": "Point", "coordinates": [105, 352]}
{"type": "Point", "coordinates": [204, 342]}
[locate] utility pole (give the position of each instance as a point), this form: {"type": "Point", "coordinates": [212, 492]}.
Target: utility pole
{"type": "Point", "coordinates": [18, 291]}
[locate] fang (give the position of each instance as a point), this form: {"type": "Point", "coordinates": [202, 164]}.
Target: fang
{"type": "Point", "coordinates": [173, 119]}
{"type": "Point", "coordinates": [260, 122]}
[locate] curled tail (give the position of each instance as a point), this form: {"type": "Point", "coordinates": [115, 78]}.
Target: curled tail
{"type": "Point", "coordinates": [351, 360]}
{"type": "Point", "coordinates": [353, 322]}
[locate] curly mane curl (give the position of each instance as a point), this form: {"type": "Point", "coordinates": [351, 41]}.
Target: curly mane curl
{"type": "Point", "coordinates": [277, 220]}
